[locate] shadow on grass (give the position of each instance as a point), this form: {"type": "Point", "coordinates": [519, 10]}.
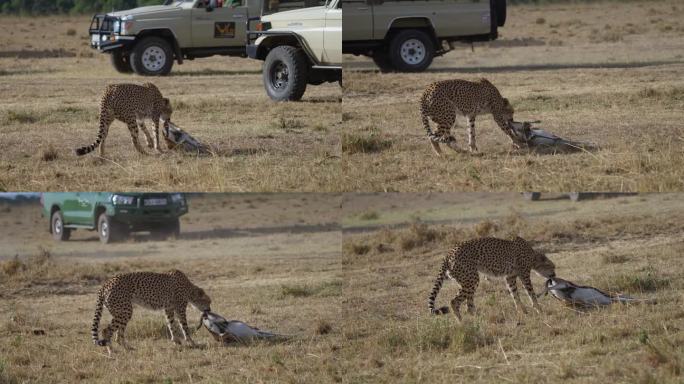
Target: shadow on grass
{"type": "Point", "coordinates": [537, 67]}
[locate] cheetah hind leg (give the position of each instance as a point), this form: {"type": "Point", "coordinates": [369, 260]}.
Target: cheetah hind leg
{"type": "Point", "coordinates": [121, 338]}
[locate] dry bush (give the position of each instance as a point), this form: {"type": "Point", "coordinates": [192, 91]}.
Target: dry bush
{"type": "Point", "coordinates": [21, 117]}
{"type": "Point", "coordinates": [325, 289]}
{"type": "Point", "coordinates": [485, 228]}
{"type": "Point", "coordinates": [643, 282]}
{"type": "Point", "coordinates": [49, 153]}
{"type": "Point", "coordinates": [350, 247]}
{"type": "Point", "coordinates": [323, 327]}
{"type": "Point", "coordinates": [435, 334]}
{"type": "Point", "coordinates": [614, 259]}
{"type": "Point", "coordinates": [418, 235]}
{"type": "Point", "coordinates": [369, 215]}
{"type": "Point", "coordinates": [353, 143]}
{"type": "Point", "coordinates": [71, 32]}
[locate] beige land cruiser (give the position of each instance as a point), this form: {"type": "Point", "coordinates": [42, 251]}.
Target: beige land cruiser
{"type": "Point", "coordinates": [298, 47]}
{"type": "Point", "coordinates": [147, 40]}
{"type": "Point", "coordinates": [405, 35]}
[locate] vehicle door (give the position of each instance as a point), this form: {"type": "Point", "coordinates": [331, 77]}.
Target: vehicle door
{"type": "Point", "coordinates": [219, 26]}
{"type": "Point", "coordinates": [332, 40]}
{"type": "Point", "coordinates": [357, 20]}
{"type": "Point", "coordinates": [80, 208]}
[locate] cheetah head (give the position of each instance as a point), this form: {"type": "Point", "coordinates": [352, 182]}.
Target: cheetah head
{"type": "Point", "coordinates": [543, 266]}
{"type": "Point", "coordinates": [165, 110]}
{"type": "Point", "coordinates": [506, 111]}
{"type": "Point", "coordinates": [200, 300]}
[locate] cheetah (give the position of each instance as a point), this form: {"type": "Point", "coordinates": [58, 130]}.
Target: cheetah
{"type": "Point", "coordinates": [443, 100]}
{"type": "Point", "coordinates": [131, 103]}
{"type": "Point", "coordinates": [170, 291]}
{"type": "Point", "coordinates": [510, 258]}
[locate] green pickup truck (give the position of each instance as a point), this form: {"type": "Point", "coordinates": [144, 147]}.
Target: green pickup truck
{"type": "Point", "coordinates": [113, 215]}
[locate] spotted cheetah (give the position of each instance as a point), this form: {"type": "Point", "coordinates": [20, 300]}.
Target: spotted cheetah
{"type": "Point", "coordinates": [170, 291]}
{"type": "Point", "coordinates": [131, 103]}
{"type": "Point", "coordinates": [510, 258]}
{"type": "Point", "coordinates": [443, 100]}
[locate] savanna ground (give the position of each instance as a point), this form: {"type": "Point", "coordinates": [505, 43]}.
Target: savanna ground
{"type": "Point", "coordinates": [272, 261]}
{"type": "Point", "coordinates": [50, 87]}
{"type": "Point", "coordinates": [392, 250]}
{"type": "Point", "coordinates": [604, 72]}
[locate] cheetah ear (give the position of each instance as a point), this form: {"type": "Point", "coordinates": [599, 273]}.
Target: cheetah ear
{"type": "Point", "coordinates": [506, 102]}
{"type": "Point", "coordinates": [167, 102]}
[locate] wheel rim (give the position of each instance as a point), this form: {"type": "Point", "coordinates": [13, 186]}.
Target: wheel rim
{"type": "Point", "coordinates": [412, 51]}
{"type": "Point", "coordinates": [153, 58]}
{"type": "Point", "coordinates": [104, 230]}
{"type": "Point", "coordinates": [57, 228]}
{"type": "Point", "coordinates": [280, 75]}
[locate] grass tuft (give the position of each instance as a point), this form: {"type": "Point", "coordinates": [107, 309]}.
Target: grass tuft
{"type": "Point", "coordinates": [49, 153]}
{"type": "Point", "coordinates": [352, 143]}
{"type": "Point", "coordinates": [418, 235]}
{"type": "Point", "coordinates": [648, 282]}
{"type": "Point", "coordinates": [21, 117]}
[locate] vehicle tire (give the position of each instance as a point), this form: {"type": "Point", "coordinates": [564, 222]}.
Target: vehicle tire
{"type": "Point", "coordinates": [411, 50]}
{"type": "Point", "coordinates": [108, 230]}
{"type": "Point", "coordinates": [499, 8]}
{"type": "Point", "coordinates": [152, 56]}
{"type": "Point", "coordinates": [121, 62]}
{"type": "Point", "coordinates": [285, 73]}
{"type": "Point", "coordinates": [381, 59]}
{"type": "Point", "coordinates": [532, 196]}
{"type": "Point", "coordinates": [59, 233]}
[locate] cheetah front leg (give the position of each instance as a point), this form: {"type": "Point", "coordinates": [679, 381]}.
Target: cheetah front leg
{"type": "Point", "coordinates": [157, 148]}
{"type": "Point", "coordinates": [133, 129]}
{"type": "Point", "coordinates": [184, 326]}
{"type": "Point", "coordinates": [169, 324]}
{"type": "Point", "coordinates": [143, 128]}
{"type": "Point", "coordinates": [513, 290]}
{"type": "Point", "coordinates": [530, 291]}
{"type": "Point", "coordinates": [471, 134]}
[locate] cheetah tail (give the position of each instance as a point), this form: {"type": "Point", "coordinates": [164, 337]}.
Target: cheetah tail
{"type": "Point", "coordinates": [101, 133]}
{"type": "Point", "coordinates": [96, 319]}
{"type": "Point", "coordinates": [435, 291]}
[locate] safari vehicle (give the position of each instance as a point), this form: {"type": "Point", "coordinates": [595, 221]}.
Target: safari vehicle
{"type": "Point", "coordinates": [113, 215]}
{"type": "Point", "coordinates": [405, 35]}
{"type": "Point", "coordinates": [298, 47]}
{"type": "Point", "coordinates": [147, 40]}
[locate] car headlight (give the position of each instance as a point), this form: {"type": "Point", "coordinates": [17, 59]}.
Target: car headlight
{"type": "Point", "coordinates": [123, 200]}
{"type": "Point", "coordinates": [178, 198]}
{"type": "Point", "coordinates": [116, 26]}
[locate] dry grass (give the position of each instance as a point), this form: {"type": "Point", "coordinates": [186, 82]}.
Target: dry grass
{"type": "Point", "coordinates": [616, 82]}
{"type": "Point", "coordinates": [250, 252]}
{"type": "Point", "coordinates": [52, 97]}
{"type": "Point", "coordinates": [394, 339]}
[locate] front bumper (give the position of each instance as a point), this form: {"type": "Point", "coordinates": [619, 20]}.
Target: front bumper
{"type": "Point", "coordinates": [104, 38]}
{"type": "Point", "coordinates": [143, 217]}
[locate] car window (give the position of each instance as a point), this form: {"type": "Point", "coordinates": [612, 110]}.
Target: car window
{"type": "Point", "coordinates": [272, 6]}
